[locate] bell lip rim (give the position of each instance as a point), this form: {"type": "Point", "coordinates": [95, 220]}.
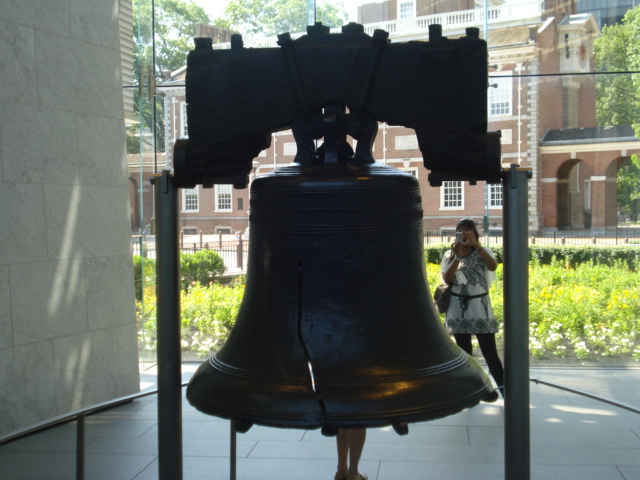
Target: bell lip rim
{"type": "Point", "coordinates": [306, 410]}
{"type": "Point", "coordinates": [308, 420]}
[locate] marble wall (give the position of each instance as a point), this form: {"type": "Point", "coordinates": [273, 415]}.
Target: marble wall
{"type": "Point", "coordinates": [67, 312]}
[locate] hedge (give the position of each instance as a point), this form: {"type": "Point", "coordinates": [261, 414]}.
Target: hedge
{"type": "Point", "coordinates": [202, 267]}
{"type": "Point", "coordinates": [572, 255]}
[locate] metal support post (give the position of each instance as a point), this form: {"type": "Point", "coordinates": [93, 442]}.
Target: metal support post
{"type": "Point", "coordinates": [169, 359]}
{"type": "Point", "coordinates": [516, 325]}
{"type": "Point", "coordinates": [80, 442]}
{"type": "Point", "coordinates": [233, 452]}
{"type": "Point", "coordinates": [239, 248]}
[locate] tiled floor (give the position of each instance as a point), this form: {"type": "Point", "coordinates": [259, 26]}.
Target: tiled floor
{"type": "Point", "coordinates": [572, 437]}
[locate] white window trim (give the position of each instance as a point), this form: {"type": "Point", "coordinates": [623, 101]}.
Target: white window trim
{"type": "Point", "coordinates": [496, 207]}
{"type": "Point", "coordinates": [442, 197]}
{"type": "Point", "coordinates": [412, 170]}
{"type": "Point", "coordinates": [411, 14]}
{"type": "Point", "coordinates": [190, 191]}
{"type": "Point", "coordinates": [224, 190]}
{"type": "Point", "coordinates": [406, 142]}
{"type": "Point", "coordinates": [505, 84]}
{"type": "Point", "coordinates": [289, 149]}
{"type": "Point", "coordinates": [184, 131]}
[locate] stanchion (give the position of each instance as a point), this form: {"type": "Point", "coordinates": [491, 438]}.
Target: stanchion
{"type": "Point", "coordinates": [516, 325]}
{"type": "Point", "coordinates": [80, 443]}
{"type": "Point", "coordinates": [168, 318]}
{"type": "Point", "coordinates": [233, 452]}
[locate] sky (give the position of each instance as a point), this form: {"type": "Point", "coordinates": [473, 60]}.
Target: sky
{"type": "Point", "coordinates": [215, 8]}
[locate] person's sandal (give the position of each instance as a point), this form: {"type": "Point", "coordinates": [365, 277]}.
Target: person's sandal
{"type": "Point", "coordinates": [357, 476]}
{"type": "Point", "coordinates": [340, 476]}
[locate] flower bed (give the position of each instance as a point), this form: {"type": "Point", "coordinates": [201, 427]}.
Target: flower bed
{"type": "Point", "coordinates": [585, 314]}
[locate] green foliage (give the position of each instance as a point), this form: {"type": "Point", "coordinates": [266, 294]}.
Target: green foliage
{"type": "Point", "coordinates": [587, 312]}
{"type": "Point", "coordinates": [581, 310]}
{"type": "Point", "coordinates": [207, 313]}
{"type": "Point", "coordinates": [571, 255]}
{"type": "Point", "coordinates": [201, 267]}
{"type": "Point", "coordinates": [434, 252]}
{"type": "Point", "coordinates": [174, 25]}
{"type": "Point", "coordinates": [628, 183]}
{"type": "Point", "coordinates": [149, 277]}
{"type": "Point", "coordinates": [273, 17]}
{"type": "Point", "coordinates": [617, 50]}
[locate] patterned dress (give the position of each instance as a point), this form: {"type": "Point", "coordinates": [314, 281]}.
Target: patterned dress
{"type": "Point", "coordinates": [470, 315]}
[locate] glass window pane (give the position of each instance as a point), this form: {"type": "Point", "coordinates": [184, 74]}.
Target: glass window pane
{"type": "Point", "coordinates": [452, 195]}
{"type": "Point", "coordinates": [500, 94]}
{"type": "Point", "coordinates": [407, 9]}
{"type": "Point", "coordinates": [495, 196]}
{"type": "Point", "coordinates": [190, 199]}
{"type": "Point", "coordinates": [223, 198]}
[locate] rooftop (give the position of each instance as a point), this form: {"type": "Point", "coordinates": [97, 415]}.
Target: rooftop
{"type": "Point", "coordinates": [620, 133]}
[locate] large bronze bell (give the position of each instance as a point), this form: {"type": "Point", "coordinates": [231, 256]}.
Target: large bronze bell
{"type": "Point", "coordinates": [337, 328]}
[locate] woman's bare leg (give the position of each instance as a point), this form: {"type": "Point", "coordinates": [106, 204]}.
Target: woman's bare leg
{"type": "Point", "coordinates": [342, 441]}
{"type": "Point", "coordinates": [357, 437]}
{"type": "Point", "coordinates": [350, 444]}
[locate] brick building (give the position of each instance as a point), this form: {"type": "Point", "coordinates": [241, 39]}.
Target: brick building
{"type": "Point", "coordinates": [541, 96]}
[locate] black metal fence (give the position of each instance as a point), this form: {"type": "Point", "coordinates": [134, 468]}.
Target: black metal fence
{"type": "Point", "coordinates": [234, 250]}
{"type": "Point", "coordinates": [618, 236]}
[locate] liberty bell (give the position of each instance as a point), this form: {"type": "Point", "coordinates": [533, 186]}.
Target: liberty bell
{"type": "Point", "coordinates": [337, 328]}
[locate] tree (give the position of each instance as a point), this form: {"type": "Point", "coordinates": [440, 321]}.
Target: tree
{"type": "Point", "coordinates": [273, 17]}
{"type": "Point", "coordinates": [617, 50]}
{"type": "Point", "coordinates": [174, 25]}
{"type": "Point", "coordinates": [628, 183]}
{"type": "Point", "coordinates": [618, 96]}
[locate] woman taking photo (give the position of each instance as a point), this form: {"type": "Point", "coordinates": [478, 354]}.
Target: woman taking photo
{"type": "Point", "coordinates": [470, 269]}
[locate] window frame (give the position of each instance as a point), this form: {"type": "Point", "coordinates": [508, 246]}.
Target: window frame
{"type": "Point", "coordinates": [494, 191]}
{"type": "Point", "coordinates": [412, 170]}
{"type": "Point", "coordinates": [457, 184]}
{"type": "Point", "coordinates": [500, 98]}
{"type": "Point", "coordinates": [408, 12]}
{"type": "Point", "coordinates": [184, 128]}
{"type": "Point", "coordinates": [186, 193]}
{"type": "Point", "coordinates": [405, 142]}
{"type": "Point", "coordinates": [222, 191]}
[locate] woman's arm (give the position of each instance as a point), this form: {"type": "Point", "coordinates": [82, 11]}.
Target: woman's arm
{"type": "Point", "coordinates": [489, 260]}
{"type": "Point", "coordinates": [449, 274]}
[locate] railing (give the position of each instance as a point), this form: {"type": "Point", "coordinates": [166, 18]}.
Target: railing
{"type": "Point", "coordinates": [459, 20]}
{"type": "Point", "coordinates": [451, 21]}
{"type": "Point", "coordinates": [80, 416]}
{"type": "Point", "coordinates": [619, 236]}
{"type": "Point", "coordinates": [234, 251]}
